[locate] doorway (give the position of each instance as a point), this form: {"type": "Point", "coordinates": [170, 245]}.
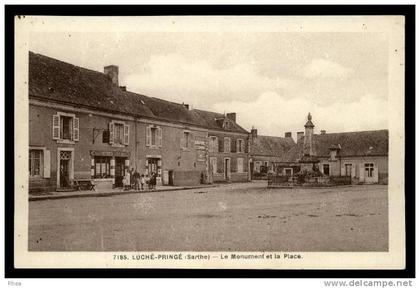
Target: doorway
{"type": "Point", "coordinates": [171, 177]}
{"type": "Point", "coordinates": [227, 169]}
{"type": "Point", "coordinates": [288, 172]}
{"type": "Point", "coordinates": [64, 173]}
{"type": "Point", "coordinates": [119, 171]}
{"type": "Point", "coordinates": [152, 166]}
{"type": "Point", "coordinates": [65, 167]}
{"type": "Point", "coordinates": [348, 169]}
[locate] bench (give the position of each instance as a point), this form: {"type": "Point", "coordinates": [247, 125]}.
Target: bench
{"type": "Point", "coordinates": [84, 184]}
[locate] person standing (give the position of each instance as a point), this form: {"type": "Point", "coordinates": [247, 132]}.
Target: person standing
{"type": "Point", "coordinates": [131, 172]}
{"type": "Point", "coordinates": [126, 180]}
{"type": "Point", "coordinates": [153, 181]}
{"type": "Point", "coordinates": [136, 179]}
{"type": "Point", "coordinates": [142, 181]}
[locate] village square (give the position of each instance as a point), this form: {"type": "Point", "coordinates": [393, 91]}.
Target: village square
{"type": "Point", "coordinates": [114, 170]}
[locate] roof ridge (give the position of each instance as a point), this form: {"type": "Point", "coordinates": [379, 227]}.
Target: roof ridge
{"type": "Point", "coordinates": [274, 136]}
{"type": "Point", "coordinates": [67, 63]}
{"type": "Point", "coordinates": [353, 132]}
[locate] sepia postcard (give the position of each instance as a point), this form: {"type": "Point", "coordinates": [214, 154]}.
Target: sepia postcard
{"type": "Point", "coordinates": [231, 142]}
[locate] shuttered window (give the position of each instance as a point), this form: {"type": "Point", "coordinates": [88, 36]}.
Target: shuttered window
{"type": "Point", "coordinates": [65, 127]}
{"type": "Point", "coordinates": [154, 136]}
{"type": "Point", "coordinates": [213, 144]}
{"type": "Point", "coordinates": [227, 145]}
{"type": "Point", "coordinates": [35, 163]}
{"type": "Point", "coordinates": [119, 133]}
{"type": "Point", "coordinates": [240, 146]}
{"type": "Point", "coordinates": [126, 134]}
{"type": "Point", "coordinates": [185, 140]}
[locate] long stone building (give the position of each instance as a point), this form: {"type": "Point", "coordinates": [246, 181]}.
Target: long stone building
{"type": "Point", "coordinates": [83, 125]}
{"type": "Point", "coordinates": [362, 155]}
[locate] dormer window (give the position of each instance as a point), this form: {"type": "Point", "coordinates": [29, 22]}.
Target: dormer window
{"type": "Point", "coordinates": [333, 155]}
{"type": "Point", "coordinates": [226, 124]}
{"type": "Point", "coordinates": [334, 149]}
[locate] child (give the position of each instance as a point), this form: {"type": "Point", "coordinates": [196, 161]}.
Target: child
{"type": "Point", "coordinates": [126, 181]}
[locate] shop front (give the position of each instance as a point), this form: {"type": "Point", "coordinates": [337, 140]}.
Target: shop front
{"type": "Point", "coordinates": [108, 168]}
{"type": "Point", "coordinates": [154, 166]}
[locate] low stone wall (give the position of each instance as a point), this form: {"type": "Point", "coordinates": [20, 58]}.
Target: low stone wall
{"type": "Point", "coordinates": [305, 181]}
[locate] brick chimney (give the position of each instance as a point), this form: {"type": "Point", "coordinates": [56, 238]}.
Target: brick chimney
{"type": "Point", "coordinates": [112, 72]}
{"type": "Point", "coordinates": [254, 133]}
{"type": "Point", "coordinates": [231, 116]}
{"type": "Point", "coordinates": [288, 134]}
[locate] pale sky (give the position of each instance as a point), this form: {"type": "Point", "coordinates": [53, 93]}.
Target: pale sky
{"type": "Point", "coordinates": [270, 79]}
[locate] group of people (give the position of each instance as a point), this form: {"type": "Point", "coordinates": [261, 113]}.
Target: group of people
{"type": "Point", "coordinates": [133, 180]}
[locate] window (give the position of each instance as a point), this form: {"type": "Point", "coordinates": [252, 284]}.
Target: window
{"type": "Point", "coordinates": [257, 166]}
{"type": "Point", "coordinates": [118, 133]}
{"type": "Point", "coordinates": [240, 162]}
{"type": "Point", "coordinates": [213, 144]}
{"type": "Point", "coordinates": [186, 139]}
{"type": "Point", "coordinates": [369, 169]}
{"type": "Point", "coordinates": [333, 155]}
{"type": "Point", "coordinates": [288, 171]}
{"type": "Point", "coordinates": [226, 145]}
{"type": "Point", "coordinates": [65, 127]}
{"type": "Point", "coordinates": [35, 163]}
{"type": "Point", "coordinates": [326, 169]}
{"type": "Point", "coordinates": [240, 146]}
{"type": "Point", "coordinates": [102, 167]}
{"type": "Point", "coordinates": [153, 136]}
{"type": "Point", "coordinates": [266, 163]}
{"type": "Point", "coordinates": [105, 137]}
{"type": "Point", "coordinates": [348, 169]}
{"type": "Point", "coordinates": [213, 164]}
{"type": "Point", "coordinates": [153, 131]}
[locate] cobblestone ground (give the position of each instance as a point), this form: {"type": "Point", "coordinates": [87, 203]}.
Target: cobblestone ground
{"type": "Point", "coordinates": [233, 217]}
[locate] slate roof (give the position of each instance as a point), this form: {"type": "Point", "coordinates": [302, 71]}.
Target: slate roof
{"type": "Point", "coordinates": [55, 80]}
{"type": "Point", "coordinates": [362, 143]}
{"type": "Point", "coordinates": [211, 120]}
{"type": "Point", "coordinates": [271, 146]}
